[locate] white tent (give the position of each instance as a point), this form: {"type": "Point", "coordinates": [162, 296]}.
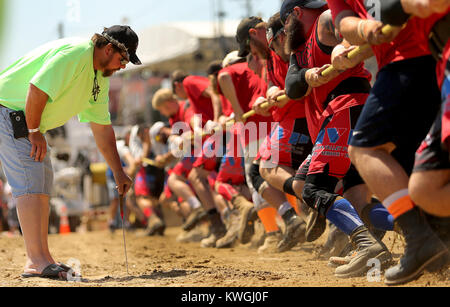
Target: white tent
{"type": "Point", "coordinates": [174, 40]}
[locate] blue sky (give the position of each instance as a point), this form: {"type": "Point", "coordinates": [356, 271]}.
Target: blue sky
{"type": "Point", "coordinates": [31, 23]}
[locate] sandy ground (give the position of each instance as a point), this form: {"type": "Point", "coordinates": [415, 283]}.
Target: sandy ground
{"type": "Point", "coordinates": [162, 262]}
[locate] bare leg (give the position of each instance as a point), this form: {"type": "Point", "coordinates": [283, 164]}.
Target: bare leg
{"type": "Point", "coordinates": [180, 187]}
{"type": "Point", "coordinates": [199, 181]}
{"type": "Point", "coordinates": [29, 210]}
{"type": "Point", "coordinates": [382, 173]}
{"type": "Point", "coordinates": [431, 191]}
{"type": "Point", "coordinates": [277, 176]}
{"type": "Point", "coordinates": [359, 196]}
{"type": "Point", "coordinates": [45, 213]}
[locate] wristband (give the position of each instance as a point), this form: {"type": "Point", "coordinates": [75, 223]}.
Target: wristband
{"type": "Point", "coordinates": [361, 25]}
{"type": "Point", "coordinates": [34, 130]}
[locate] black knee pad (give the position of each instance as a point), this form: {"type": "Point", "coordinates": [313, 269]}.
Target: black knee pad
{"type": "Point", "coordinates": [352, 179]}
{"type": "Point", "coordinates": [318, 193]}
{"type": "Point", "coordinates": [288, 187]}
{"type": "Point", "coordinates": [257, 179]}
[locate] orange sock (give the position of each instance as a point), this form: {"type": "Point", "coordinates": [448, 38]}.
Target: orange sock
{"type": "Point", "coordinates": [293, 201]}
{"type": "Point", "coordinates": [268, 218]}
{"type": "Point", "coordinates": [399, 203]}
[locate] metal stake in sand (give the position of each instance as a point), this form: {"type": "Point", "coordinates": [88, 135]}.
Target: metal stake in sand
{"type": "Point", "coordinates": [121, 200]}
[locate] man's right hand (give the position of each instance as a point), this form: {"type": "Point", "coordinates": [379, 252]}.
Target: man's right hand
{"type": "Point", "coordinates": [38, 146]}
{"type": "Point", "coordinates": [374, 35]}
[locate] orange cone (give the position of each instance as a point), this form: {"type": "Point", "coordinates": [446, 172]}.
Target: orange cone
{"type": "Point", "coordinates": [64, 227]}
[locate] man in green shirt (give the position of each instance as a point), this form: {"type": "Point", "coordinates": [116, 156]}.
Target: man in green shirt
{"type": "Point", "coordinates": [42, 91]}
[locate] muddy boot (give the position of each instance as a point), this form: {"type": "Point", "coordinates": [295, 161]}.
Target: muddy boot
{"type": "Point", "coordinates": [231, 236]}
{"type": "Point", "coordinates": [259, 237]}
{"type": "Point", "coordinates": [217, 230]}
{"type": "Point", "coordinates": [423, 249]}
{"type": "Point", "coordinates": [295, 231]}
{"type": "Point", "coordinates": [315, 225]}
{"type": "Point", "coordinates": [336, 242]}
{"type": "Point", "coordinates": [441, 226]}
{"type": "Point", "coordinates": [248, 216]}
{"type": "Point", "coordinates": [156, 226]}
{"type": "Point", "coordinates": [367, 248]}
{"type": "Point", "coordinates": [196, 216]}
{"type": "Point", "coordinates": [195, 235]}
{"type": "Point", "coordinates": [271, 243]}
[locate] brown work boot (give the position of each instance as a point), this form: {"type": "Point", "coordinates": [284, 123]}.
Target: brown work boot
{"type": "Point", "coordinates": [295, 231]}
{"type": "Point", "coordinates": [196, 216]}
{"type": "Point", "coordinates": [367, 248]}
{"type": "Point", "coordinates": [195, 235]}
{"type": "Point", "coordinates": [316, 225]}
{"type": "Point", "coordinates": [260, 235]}
{"type": "Point", "coordinates": [335, 244]}
{"type": "Point", "coordinates": [271, 243]}
{"type": "Point", "coordinates": [217, 230]}
{"type": "Point", "coordinates": [231, 236]}
{"type": "Point", "coordinates": [156, 226]}
{"type": "Point", "coordinates": [248, 216]}
{"type": "Point", "coordinates": [424, 249]}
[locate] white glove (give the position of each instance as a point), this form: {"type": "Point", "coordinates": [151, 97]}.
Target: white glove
{"type": "Point", "coordinates": [272, 90]}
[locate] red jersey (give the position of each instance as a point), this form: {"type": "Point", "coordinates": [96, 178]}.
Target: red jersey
{"type": "Point", "coordinates": [320, 105]}
{"type": "Point", "coordinates": [184, 114]}
{"type": "Point", "coordinates": [227, 109]}
{"type": "Point", "coordinates": [411, 42]}
{"type": "Point", "coordinates": [276, 72]}
{"type": "Point", "coordinates": [249, 87]}
{"type": "Point", "coordinates": [195, 86]}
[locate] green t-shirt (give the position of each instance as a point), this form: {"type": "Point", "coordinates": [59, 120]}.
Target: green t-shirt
{"type": "Point", "coordinates": [64, 70]}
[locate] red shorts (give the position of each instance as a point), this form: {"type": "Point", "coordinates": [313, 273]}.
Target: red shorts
{"type": "Point", "coordinates": [330, 153]}
{"type": "Point", "coordinates": [209, 160]}
{"type": "Point", "coordinates": [289, 143]}
{"type": "Point", "coordinates": [184, 167]}
{"type": "Point", "coordinates": [232, 167]}
{"type": "Point", "coordinates": [140, 184]}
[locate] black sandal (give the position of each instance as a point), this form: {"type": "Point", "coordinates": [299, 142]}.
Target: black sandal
{"type": "Point", "coordinates": [53, 271]}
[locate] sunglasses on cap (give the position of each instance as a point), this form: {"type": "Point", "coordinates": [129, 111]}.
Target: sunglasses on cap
{"type": "Point", "coordinates": [120, 47]}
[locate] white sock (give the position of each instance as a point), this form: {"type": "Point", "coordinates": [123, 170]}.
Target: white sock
{"type": "Point", "coordinates": [194, 203]}
{"type": "Point", "coordinates": [285, 207]}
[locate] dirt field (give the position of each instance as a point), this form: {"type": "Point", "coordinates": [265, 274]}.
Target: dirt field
{"type": "Point", "coordinates": [162, 262]}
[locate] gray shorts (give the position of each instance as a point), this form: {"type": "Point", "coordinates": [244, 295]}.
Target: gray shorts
{"type": "Point", "coordinates": [24, 175]}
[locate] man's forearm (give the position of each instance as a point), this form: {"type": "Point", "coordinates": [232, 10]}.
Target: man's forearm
{"type": "Point", "coordinates": [106, 143]}
{"type": "Point", "coordinates": [349, 29]}
{"type": "Point", "coordinates": [35, 105]}
{"type": "Point", "coordinates": [227, 86]}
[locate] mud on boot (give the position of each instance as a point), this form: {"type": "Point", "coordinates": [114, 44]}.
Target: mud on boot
{"type": "Point", "coordinates": [423, 249]}
{"type": "Point", "coordinates": [335, 244]}
{"type": "Point", "coordinates": [232, 225]}
{"type": "Point", "coordinates": [367, 248]}
{"type": "Point", "coordinates": [217, 231]}
{"type": "Point", "coordinates": [196, 216]}
{"type": "Point", "coordinates": [295, 231]}
{"type": "Point", "coordinates": [271, 243]}
{"type": "Point", "coordinates": [248, 216]}
{"type": "Point", "coordinates": [316, 225]}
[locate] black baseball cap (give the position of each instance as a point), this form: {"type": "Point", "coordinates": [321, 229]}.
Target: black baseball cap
{"type": "Point", "coordinates": [288, 6]}
{"type": "Point", "coordinates": [242, 35]}
{"type": "Point", "coordinates": [125, 39]}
